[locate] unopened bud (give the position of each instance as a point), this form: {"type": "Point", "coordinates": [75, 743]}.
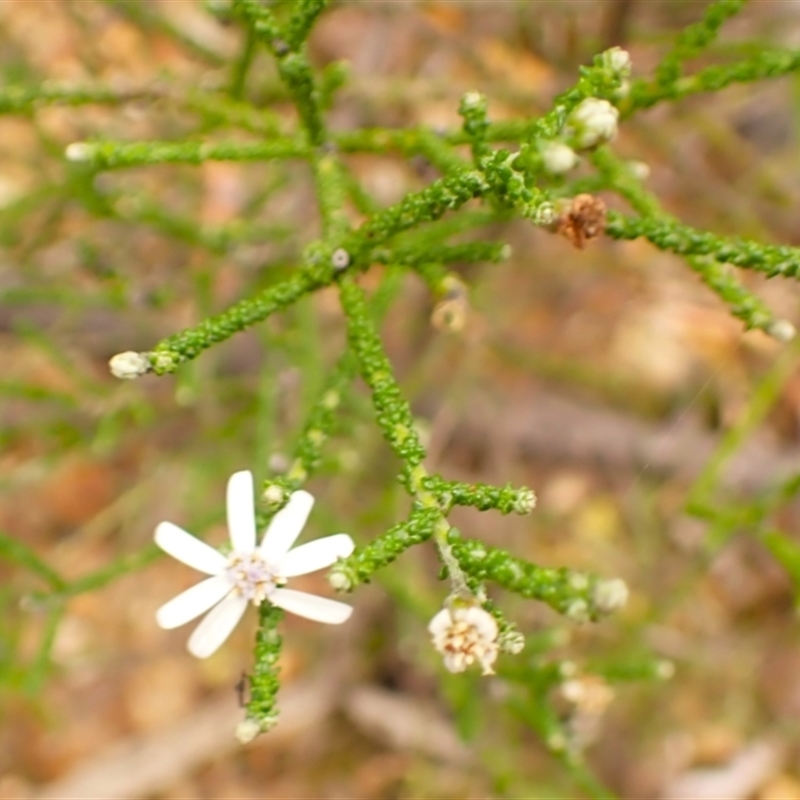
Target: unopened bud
{"type": "Point", "coordinates": [512, 642]}
{"type": "Point", "coordinates": [639, 170]}
{"type": "Point", "coordinates": [558, 158]}
{"type": "Point", "coordinates": [593, 122]}
{"type": "Point", "coordinates": [610, 595]}
{"type": "Point", "coordinates": [617, 61]}
{"type": "Point", "coordinates": [78, 152]}
{"type": "Point", "coordinates": [340, 258]}
{"type": "Point", "coordinates": [525, 502]}
{"type": "Point", "coordinates": [274, 495]}
{"type": "Point", "coordinates": [339, 580]}
{"type": "Point", "coordinates": [782, 330]}
{"type": "Point", "coordinates": [247, 730]}
{"type": "Point", "coordinates": [129, 365]}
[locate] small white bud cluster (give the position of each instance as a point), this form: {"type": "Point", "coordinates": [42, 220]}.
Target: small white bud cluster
{"type": "Point", "coordinates": [618, 61]}
{"type": "Point", "coordinates": [465, 634]}
{"type": "Point", "coordinates": [610, 595]}
{"type": "Point", "coordinates": [558, 158]}
{"type": "Point", "coordinates": [79, 152]}
{"type": "Point", "coordinates": [593, 122]}
{"type": "Point", "coordinates": [543, 214]}
{"type": "Point", "coordinates": [340, 258]}
{"type": "Point", "coordinates": [339, 580]}
{"type": "Point", "coordinates": [512, 642]}
{"type": "Point", "coordinates": [577, 611]}
{"type": "Point", "coordinates": [782, 330]}
{"type": "Point", "coordinates": [129, 365]}
{"type": "Point", "coordinates": [525, 502]}
{"type": "Point", "coordinates": [472, 100]}
{"type": "Point", "coordinates": [247, 730]}
{"type": "Point", "coordinates": [274, 495]}
{"type": "Point", "coordinates": [639, 169]}
{"type": "Point", "coordinates": [665, 670]}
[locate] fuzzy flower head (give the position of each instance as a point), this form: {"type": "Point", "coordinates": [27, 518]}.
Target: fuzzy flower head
{"type": "Point", "coordinates": [464, 634]}
{"type": "Point", "coordinates": [250, 573]}
{"type": "Point", "coordinates": [593, 122]}
{"type": "Point", "coordinates": [558, 158]}
{"type": "Point", "coordinates": [617, 61]}
{"type": "Point", "coordinates": [129, 365]}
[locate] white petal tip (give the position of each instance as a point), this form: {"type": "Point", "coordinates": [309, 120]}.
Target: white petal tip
{"type": "Point", "coordinates": [347, 546]}
{"type": "Point", "coordinates": [343, 617]}
{"type": "Point", "coordinates": [198, 652]}
{"type": "Point", "coordinates": [163, 621]}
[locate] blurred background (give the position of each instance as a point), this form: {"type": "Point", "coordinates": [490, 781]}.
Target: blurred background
{"type": "Point", "coordinates": [603, 378]}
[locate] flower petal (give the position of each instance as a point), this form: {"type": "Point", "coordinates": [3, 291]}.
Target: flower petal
{"type": "Point", "coordinates": [320, 609]}
{"type": "Point", "coordinates": [316, 555]}
{"type": "Point", "coordinates": [441, 623]}
{"type": "Point", "coordinates": [217, 625]}
{"type": "Point", "coordinates": [241, 512]}
{"type": "Point", "coordinates": [286, 526]}
{"type": "Point", "coordinates": [193, 602]}
{"type": "Point", "coordinates": [189, 549]}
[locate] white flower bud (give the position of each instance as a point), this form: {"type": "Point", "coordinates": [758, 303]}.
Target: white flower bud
{"type": "Point", "coordinates": [618, 61]}
{"type": "Point", "coordinates": [782, 330]}
{"type": "Point", "coordinates": [512, 642]}
{"type": "Point", "coordinates": [665, 670]}
{"type": "Point", "coordinates": [578, 581]}
{"type": "Point", "coordinates": [577, 611]}
{"type": "Point", "coordinates": [247, 730]}
{"type": "Point", "coordinates": [340, 258]}
{"type": "Point", "coordinates": [593, 122]}
{"type": "Point", "coordinates": [558, 158]}
{"type": "Point", "coordinates": [472, 100]}
{"type": "Point", "coordinates": [543, 214]}
{"type": "Point", "coordinates": [129, 365]}
{"type": "Point", "coordinates": [339, 580]}
{"type": "Point", "coordinates": [79, 152]}
{"type": "Point", "coordinates": [274, 495]}
{"type": "Point", "coordinates": [525, 502]}
{"type": "Point", "coordinates": [610, 595]}
{"type": "Point", "coordinates": [639, 170]}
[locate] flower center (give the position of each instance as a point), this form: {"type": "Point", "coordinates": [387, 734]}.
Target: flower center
{"type": "Point", "coordinates": [463, 644]}
{"type": "Point", "coordinates": [252, 577]}
{"type": "Point", "coordinates": [464, 638]}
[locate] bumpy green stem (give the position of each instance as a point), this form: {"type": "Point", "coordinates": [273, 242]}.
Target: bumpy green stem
{"type": "Point", "coordinates": [571, 593]}
{"type": "Point", "coordinates": [262, 705]}
{"type": "Point", "coordinates": [693, 39]}
{"type": "Point", "coordinates": [188, 344]}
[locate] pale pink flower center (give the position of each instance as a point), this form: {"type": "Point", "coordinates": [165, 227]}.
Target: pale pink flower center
{"type": "Point", "coordinates": [252, 577]}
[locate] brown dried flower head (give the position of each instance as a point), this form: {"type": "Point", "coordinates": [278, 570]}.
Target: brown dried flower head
{"type": "Point", "coordinates": [583, 219]}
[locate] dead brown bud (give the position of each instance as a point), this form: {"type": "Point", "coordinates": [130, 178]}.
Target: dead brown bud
{"type": "Point", "coordinates": [583, 219]}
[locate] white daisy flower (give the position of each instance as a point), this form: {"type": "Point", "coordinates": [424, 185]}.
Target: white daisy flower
{"type": "Point", "coordinates": [251, 573]}
{"type": "Point", "coordinates": [593, 122]}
